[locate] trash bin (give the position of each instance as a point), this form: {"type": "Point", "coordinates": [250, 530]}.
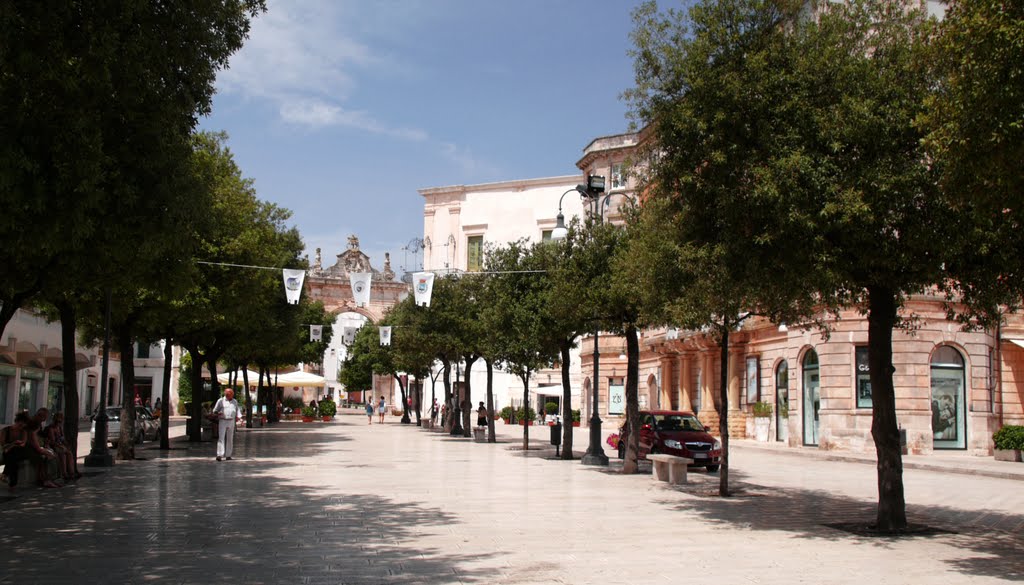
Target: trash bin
{"type": "Point", "coordinates": [556, 434]}
{"type": "Point", "coordinates": [480, 434]}
{"type": "Point", "coordinates": [556, 437]}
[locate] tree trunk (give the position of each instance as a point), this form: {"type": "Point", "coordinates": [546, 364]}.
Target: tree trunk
{"type": "Point", "coordinates": [446, 420]}
{"type": "Point", "coordinates": [564, 348]}
{"type": "Point", "coordinates": [126, 440]}
{"type": "Point", "coordinates": [723, 414]}
{"type": "Point", "coordinates": [67, 333]}
{"type": "Point", "coordinates": [631, 463]}
{"type": "Point", "coordinates": [892, 507]}
{"type": "Point", "coordinates": [418, 400]}
{"type": "Point", "coordinates": [248, 396]}
{"type": "Point", "coordinates": [195, 428]}
{"type": "Point", "coordinates": [490, 400]}
{"type": "Point", "coordinates": [405, 401]}
{"type": "Point", "coordinates": [526, 411]}
{"type": "Point", "coordinates": [467, 399]}
{"type": "Point", "coordinates": [165, 397]}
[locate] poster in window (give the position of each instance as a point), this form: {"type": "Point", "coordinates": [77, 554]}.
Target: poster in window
{"type": "Point", "coordinates": [863, 376]}
{"type": "Point", "coordinates": [945, 392]}
{"type": "Point", "coordinates": [753, 380]}
{"type": "Point", "coordinates": [616, 397]}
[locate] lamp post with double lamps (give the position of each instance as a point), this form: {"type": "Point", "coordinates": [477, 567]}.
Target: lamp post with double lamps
{"type": "Point", "coordinates": [591, 191]}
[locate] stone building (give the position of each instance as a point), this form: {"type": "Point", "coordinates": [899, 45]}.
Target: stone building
{"type": "Point", "coordinates": [953, 388]}
{"type": "Point", "coordinates": [332, 286]}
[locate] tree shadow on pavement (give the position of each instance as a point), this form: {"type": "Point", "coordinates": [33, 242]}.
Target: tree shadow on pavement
{"type": "Point", "coordinates": [184, 519]}
{"type": "Point", "coordinates": [808, 514]}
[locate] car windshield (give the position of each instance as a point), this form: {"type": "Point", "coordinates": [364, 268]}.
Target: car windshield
{"type": "Point", "coordinates": [677, 422]}
{"type": "Point", "coordinates": [114, 413]}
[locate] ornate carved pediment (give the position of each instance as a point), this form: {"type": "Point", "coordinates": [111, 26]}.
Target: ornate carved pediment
{"type": "Point", "coordinates": [354, 260]}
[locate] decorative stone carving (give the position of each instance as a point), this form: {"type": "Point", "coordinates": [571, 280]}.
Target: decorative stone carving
{"type": "Point", "coordinates": [389, 274]}
{"type": "Point", "coordinates": [316, 263]}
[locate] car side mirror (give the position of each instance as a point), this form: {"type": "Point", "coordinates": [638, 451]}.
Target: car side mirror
{"type": "Point", "coordinates": [645, 428]}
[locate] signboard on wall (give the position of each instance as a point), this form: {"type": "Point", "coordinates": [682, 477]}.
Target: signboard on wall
{"type": "Point", "coordinates": [616, 396]}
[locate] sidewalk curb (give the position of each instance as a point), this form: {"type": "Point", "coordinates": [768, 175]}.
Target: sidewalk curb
{"type": "Point", "coordinates": [944, 467]}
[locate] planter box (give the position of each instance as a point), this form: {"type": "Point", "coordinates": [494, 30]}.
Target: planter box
{"type": "Point", "coordinates": [327, 418]}
{"type": "Point", "coordinates": [576, 423]}
{"type": "Point", "coordinates": [528, 423]}
{"type": "Point", "coordinates": [1008, 455]}
{"type": "Point", "coordinates": [307, 419]}
{"type": "Point", "coordinates": [761, 426]}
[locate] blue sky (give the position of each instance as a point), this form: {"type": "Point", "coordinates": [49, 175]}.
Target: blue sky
{"type": "Point", "coordinates": [340, 110]}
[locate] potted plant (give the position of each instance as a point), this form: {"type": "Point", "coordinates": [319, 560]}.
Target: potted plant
{"type": "Point", "coordinates": [1009, 442]}
{"type": "Point", "coordinates": [762, 420]}
{"type": "Point", "coordinates": [328, 409]}
{"type": "Point", "coordinates": [308, 412]}
{"type": "Point", "coordinates": [576, 418]}
{"type": "Point", "coordinates": [526, 416]}
{"type": "Point", "coordinates": [551, 409]}
{"type": "Point", "coordinates": [506, 414]}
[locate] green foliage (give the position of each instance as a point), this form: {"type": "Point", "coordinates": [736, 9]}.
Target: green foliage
{"type": "Point", "coordinates": [309, 411]}
{"type": "Point", "coordinates": [506, 413]}
{"type": "Point", "coordinates": [975, 119]}
{"type": "Point", "coordinates": [762, 409]}
{"type": "Point", "coordinates": [550, 408]}
{"type": "Point", "coordinates": [293, 402]}
{"type": "Point", "coordinates": [185, 379]}
{"type": "Point", "coordinates": [328, 408]}
{"type": "Point", "coordinates": [528, 414]}
{"type": "Point", "coordinates": [1009, 437]}
{"type": "Point", "coordinates": [576, 415]}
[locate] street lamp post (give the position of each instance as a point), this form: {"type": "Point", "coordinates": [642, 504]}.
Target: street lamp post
{"type": "Point", "coordinates": [592, 191]}
{"type": "Point", "coordinates": [99, 455]}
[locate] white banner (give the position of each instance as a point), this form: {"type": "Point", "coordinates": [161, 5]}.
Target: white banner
{"type": "Point", "coordinates": [316, 332]}
{"type": "Point", "coordinates": [293, 284]}
{"type": "Point", "coordinates": [360, 282]}
{"type": "Point", "coordinates": [350, 335]}
{"type": "Point", "coordinates": [385, 335]}
{"type": "Point", "coordinates": [616, 397]}
{"type": "Point", "coordinates": [423, 286]}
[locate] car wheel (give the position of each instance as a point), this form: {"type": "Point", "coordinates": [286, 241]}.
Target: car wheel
{"type": "Point", "coordinates": [712, 468]}
{"type": "Point", "coordinates": [622, 450]}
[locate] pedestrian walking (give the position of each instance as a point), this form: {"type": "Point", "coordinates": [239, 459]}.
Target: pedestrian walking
{"type": "Point", "coordinates": [481, 415]}
{"type": "Point", "coordinates": [228, 414]}
{"type": "Point", "coordinates": [369, 411]}
{"type": "Point", "coordinates": [434, 411]}
{"type": "Point", "coordinates": [380, 409]}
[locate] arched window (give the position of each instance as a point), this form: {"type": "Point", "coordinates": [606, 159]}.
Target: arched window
{"type": "Point", "coordinates": [949, 424]}
{"type": "Point", "coordinates": [782, 402]}
{"type": "Point", "coordinates": [812, 397]}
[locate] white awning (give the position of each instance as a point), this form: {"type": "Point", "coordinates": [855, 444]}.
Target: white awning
{"type": "Point", "coordinates": [304, 379]}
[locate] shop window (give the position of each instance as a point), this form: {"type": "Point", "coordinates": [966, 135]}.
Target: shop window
{"type": "Point", "coordinates": [753, 380]}
{"type": "Point", "coordinates": [142, 351]}
{"type": "Point", "coordinates": [949, 425]}
{"type": "Point", "coordinates": [862, 377]}
{"type": "Point", "coordinates": [782, 402]}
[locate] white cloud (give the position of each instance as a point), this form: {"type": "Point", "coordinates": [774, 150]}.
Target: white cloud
{"type": "Point", "coordinates": [305, 58]}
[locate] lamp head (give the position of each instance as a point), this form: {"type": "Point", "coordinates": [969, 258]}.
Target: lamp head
{"type": "Point", "coordinates": [595, 184]}
{"type": "Point", "coordinates": [560, 230]}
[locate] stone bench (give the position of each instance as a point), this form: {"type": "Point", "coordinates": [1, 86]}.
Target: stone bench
{"type": "Point", "coordinates": [669, 468]}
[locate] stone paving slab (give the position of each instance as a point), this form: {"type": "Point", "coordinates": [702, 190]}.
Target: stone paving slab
{"type": "Point", "coordinates": [344, 502]}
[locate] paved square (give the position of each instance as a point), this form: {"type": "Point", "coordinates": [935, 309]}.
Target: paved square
{"type": "Point", "coordinates": [344, 502]}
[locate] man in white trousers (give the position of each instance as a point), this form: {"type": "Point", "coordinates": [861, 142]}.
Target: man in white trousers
{"type": "Point", "coordinates": [228, 413]}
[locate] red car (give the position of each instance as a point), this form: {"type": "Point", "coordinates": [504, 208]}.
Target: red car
{"type": "Point", "coordinates": [675, 433]}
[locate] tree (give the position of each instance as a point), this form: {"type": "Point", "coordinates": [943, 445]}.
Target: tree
{"type": "Point", "coordinates": [518, 300]}
{"type": "Point", "coordinates": [772, 126]}
{"type": "Point", "coordinates": [975, 120]}
{"type": "Point", "coordinates": [97, 102]}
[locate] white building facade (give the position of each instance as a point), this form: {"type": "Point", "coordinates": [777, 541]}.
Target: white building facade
{"type": "Point", "coordinates": [459, 222]}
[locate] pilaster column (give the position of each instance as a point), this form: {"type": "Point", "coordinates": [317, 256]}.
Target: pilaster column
{"type": "Point", "coordinates": [683, 391]}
